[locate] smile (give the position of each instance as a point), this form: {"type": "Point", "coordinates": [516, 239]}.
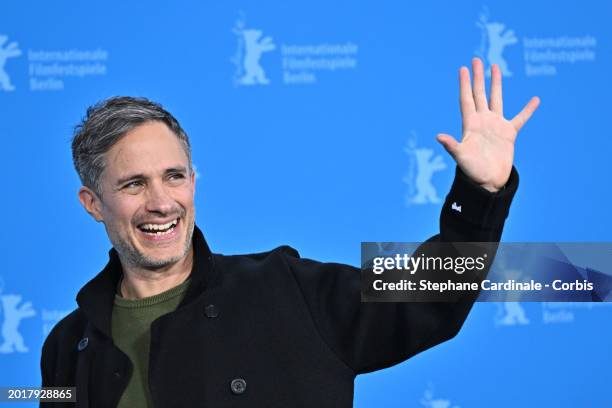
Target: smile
{"type": "Point", "coordinates": [159, 230]}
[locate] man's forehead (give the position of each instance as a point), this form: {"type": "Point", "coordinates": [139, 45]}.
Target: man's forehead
{"type": "Point", "coordinates": [149, 148]}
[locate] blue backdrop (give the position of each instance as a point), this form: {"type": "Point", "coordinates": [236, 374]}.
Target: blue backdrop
{"type": "Point", "coordinates": [313, 124]}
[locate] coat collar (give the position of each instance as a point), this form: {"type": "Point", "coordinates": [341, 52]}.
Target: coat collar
{"type": "Point", "coordinates": [96, 298]}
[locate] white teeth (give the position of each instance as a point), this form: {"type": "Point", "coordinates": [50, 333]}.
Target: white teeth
{"type": "Point", "coordinates": [159, 233]}
{"type": "Point", "coordinates": [159, 227]}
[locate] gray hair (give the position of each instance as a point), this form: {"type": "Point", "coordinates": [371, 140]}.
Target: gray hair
{"type": "Point", "coordinates": [105, 124]}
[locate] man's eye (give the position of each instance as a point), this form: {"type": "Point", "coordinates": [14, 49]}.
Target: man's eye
{"type": "Point", "coordinates": [133, 184]}
{"type": "Point", "coordinates": [177, 176]}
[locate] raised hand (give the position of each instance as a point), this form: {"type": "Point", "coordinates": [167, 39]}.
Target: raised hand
{"type": "Point", "coordinates": [486, 151]}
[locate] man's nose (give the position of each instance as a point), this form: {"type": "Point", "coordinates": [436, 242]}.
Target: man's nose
{"type": "Point", "coordinates": [158, 199]}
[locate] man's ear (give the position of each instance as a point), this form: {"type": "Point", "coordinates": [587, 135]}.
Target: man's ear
{"type": "Point", "coordinates": [193, 178]}
{"type": "Point", "coordinates": [92, 204]}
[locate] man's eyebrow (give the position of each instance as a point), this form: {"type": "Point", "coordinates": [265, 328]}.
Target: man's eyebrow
{"type": "Point", "coordinates": [177, 169]}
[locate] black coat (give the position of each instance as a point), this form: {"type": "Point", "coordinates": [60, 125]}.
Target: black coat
{"type": "Point", "coordinates": [265, 330]}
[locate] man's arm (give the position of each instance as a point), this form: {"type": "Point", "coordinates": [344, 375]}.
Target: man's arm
{"type": "Point", "coordinates": [47, 361]}
{"type": "Point", "coordinates": [371, 336]}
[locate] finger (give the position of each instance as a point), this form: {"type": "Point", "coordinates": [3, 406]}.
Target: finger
{"type": "Point", "coordinates": [523, 116]}
{"type": "Point", "coordinates": [449, 143]}
{"type": "Point", "coordinates": [480, 98]}
{"type": "Point", "coordinates": [496, 103]}
{"type": "Point", "coordinates": [466, 99]}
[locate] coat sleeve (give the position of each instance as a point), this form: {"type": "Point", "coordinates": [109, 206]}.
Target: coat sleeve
{"type": "Point", "coordinates": [47, 361]}
{"type": "Point", "coordinates": [372, 336]}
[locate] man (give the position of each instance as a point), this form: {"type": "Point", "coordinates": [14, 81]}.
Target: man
{"type": "Point", "coordinates": [169, 324]}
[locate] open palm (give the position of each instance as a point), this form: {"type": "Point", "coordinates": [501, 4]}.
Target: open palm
{"type": "Point", "coordinates": [486, 151]}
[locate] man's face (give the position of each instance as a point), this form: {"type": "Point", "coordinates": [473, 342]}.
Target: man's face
{"type": "Point", "coordinates": [147, 197]}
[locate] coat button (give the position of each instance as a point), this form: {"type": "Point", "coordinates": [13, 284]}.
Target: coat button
{"type": "Point", "coordinates": [211, 311]}
{"type": "Point", "coordinates": [83, 344]}
{"type": "Point", "coordinates": [238, 386]}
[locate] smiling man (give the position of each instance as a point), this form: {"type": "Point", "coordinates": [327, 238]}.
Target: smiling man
{"type": "Point", "coordinates": [146, 203]}
{"type": "Point", "coordinates": [167, 323]}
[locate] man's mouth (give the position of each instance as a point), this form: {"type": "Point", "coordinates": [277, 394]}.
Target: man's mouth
{"type": "Point", "coordinates": [156, 229]}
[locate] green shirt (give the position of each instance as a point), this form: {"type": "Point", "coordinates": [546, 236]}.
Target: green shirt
{"type": "Point", "coordinates": [131, 331]}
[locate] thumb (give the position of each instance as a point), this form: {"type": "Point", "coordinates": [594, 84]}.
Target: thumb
{"type": "Point", "coordinates": [448, 142]}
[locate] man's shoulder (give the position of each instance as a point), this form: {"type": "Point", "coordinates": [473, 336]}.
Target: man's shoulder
{"type": "Point", "coordinates": [256, 257]}
{"type": "Point", "coordinates": [256, 264]}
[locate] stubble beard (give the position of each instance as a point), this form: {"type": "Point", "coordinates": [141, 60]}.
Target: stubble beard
{"type": "Point", "coordinates": [134, 258]}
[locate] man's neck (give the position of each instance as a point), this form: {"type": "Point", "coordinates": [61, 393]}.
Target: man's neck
{"type": "Point", "coordinates": [138, 283]}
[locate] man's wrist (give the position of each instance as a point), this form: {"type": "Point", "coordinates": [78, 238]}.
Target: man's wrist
{"type": "Point", "coordinates": [470, 201]}
{"type": "Point", "coordinates": [491, 189]}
